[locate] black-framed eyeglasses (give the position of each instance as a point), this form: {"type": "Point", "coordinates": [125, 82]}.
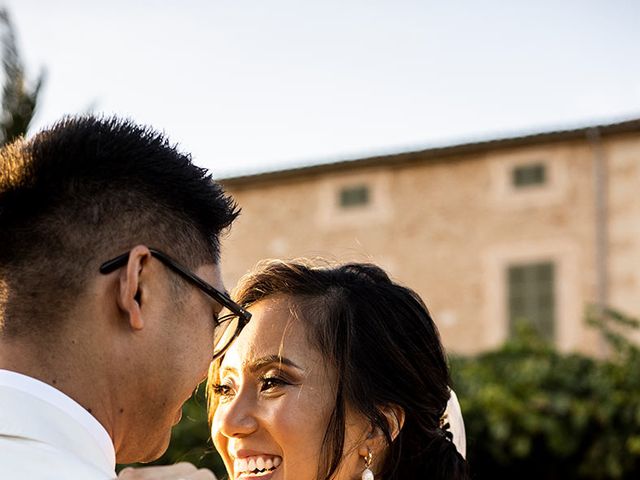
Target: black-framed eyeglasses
{"type": "Point", "coordinates": [227, 326]}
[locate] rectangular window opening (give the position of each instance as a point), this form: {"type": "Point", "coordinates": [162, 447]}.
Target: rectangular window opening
{"type": "Point", "coordinates": [354, 196]}
{"type": "Point", "coordinates": [529, 175]}
{"type": "Point", "coordinates": [531, 300]}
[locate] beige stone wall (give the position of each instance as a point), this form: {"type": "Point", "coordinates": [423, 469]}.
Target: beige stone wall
{"type": "Point", "coordinates": [450, 228]}
{"type": "Point", "coordinates": [624, 224]}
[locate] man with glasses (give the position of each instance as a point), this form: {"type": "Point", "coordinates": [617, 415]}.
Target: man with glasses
{"type": "Point", "coordinates": [110, 297]}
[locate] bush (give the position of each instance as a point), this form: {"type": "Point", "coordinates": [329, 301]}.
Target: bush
{"type": "Point", "coordinates": [531, 412]}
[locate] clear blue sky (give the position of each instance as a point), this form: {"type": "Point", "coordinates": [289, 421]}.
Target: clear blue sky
{"type": "Point", "coordinates": [254, 85]}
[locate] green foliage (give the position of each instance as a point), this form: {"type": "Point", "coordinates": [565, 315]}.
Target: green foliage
{"type": "Point", "coordinates": [531, 412]}
{"type": "Point", "coordinates": [18, 100]}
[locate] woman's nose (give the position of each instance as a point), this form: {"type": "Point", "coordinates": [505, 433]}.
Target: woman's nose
{"type": "Point", "coordinates": [237, 417]}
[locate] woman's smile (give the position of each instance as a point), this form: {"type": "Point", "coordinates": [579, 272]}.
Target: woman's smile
{"type": "Point", "coordinates": [256, 466]}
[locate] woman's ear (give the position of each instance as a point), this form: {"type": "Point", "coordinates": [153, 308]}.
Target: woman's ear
{"type": "Point", "coordinates": [376, 440]}
{"type": "Point", "coordinates": [395, 419]}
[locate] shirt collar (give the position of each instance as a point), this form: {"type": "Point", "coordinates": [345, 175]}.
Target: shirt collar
{"type": "Point", "coordinates": [55, 397]}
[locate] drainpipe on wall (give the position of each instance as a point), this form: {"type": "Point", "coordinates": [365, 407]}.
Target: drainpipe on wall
{"type": "Point", "coordinates": [599, 164]}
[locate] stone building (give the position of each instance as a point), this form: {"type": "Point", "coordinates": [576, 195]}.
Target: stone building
{"type": "Point", "coordinates": [530, 228]}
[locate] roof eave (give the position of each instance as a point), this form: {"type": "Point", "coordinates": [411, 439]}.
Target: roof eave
{"type": "Point", "coordinates": [442, 152]}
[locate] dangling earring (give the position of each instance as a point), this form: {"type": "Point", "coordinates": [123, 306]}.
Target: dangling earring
{"type": "Point", "coordinates": [367, 474]}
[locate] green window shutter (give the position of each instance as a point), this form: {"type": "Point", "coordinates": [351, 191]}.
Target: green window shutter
{"type": "Point", "coordinates": [532, 297]}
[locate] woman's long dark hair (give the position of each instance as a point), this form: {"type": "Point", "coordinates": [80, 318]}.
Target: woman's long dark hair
{"type": "Point", "coordinates": [386, 349]}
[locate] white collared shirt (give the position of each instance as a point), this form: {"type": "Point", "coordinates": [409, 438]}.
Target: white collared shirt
{"type": "Point", "coordinates": [55, 398]}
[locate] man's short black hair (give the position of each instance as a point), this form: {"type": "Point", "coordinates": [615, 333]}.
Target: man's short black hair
{"type": "Point", "coordinates": [85, 190]}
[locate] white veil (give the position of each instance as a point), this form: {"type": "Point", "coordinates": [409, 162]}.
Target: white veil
{"type": "Point", "coordinates": [456, 424]}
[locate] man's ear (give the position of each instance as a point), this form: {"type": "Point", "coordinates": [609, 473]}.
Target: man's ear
{"type": "Point", "coordinates": [131, 292]}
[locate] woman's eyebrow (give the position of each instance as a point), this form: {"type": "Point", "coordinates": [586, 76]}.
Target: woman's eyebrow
{"type": "Point", "coordinates": [228, 369]}
{"type": "Point", "coordinates": [262, 362]}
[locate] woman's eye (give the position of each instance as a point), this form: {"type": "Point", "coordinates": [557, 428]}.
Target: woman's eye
{"type": "Point", "coordinates": [223, 390]}
{"type": "Point", "coordinates": [270, 383]}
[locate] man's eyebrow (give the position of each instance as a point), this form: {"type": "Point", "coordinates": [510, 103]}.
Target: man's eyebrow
{"type": "Point", "coordinates": [262, 362]}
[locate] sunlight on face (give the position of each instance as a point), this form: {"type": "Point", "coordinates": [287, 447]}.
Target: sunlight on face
{"type": "Point", "coordinates": [275, 397]}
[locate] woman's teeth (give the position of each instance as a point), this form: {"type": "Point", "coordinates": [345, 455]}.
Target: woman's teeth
{"type": "Point", "coordinates": [257, 465]}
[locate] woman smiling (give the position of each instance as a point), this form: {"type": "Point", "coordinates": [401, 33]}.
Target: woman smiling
{"type": "Point", "coordinates": [339, 375]}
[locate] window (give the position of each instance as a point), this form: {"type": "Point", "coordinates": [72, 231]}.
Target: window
{"type": "Point", "coordinates": [354, 196]}
{"type": "Point", "coordinates": [354, 199]}
{"type": "Point", "coordinates": [531, 297]}
{"type": "Point", "coordinates": [529, 175]}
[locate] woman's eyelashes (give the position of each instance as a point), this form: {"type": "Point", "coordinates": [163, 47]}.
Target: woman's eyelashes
{"type": "Point", "coordinates": [224, 389]}
{"type": "Point", "coordinates": [272, 382]}
{"type": "Point", "coordinates": [268, 383]}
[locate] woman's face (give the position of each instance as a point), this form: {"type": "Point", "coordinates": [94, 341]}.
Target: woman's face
{"type": "Point", "coordinates": [275, 396]}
